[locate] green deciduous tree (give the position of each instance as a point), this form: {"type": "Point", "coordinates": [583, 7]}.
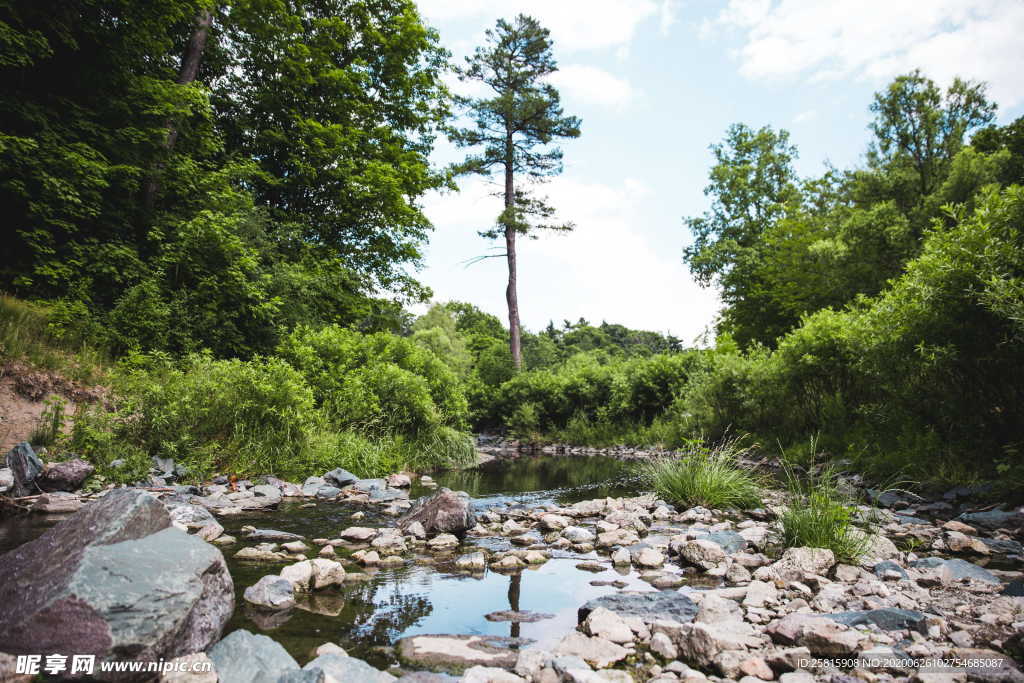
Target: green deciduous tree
{"type": "Point", "coordinates": [515, 127]}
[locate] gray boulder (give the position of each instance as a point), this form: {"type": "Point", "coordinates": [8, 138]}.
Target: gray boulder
{"type": "Point", "coordinates": [115, 580]}
{"type": "Point", "coordinates": [25, 466]}
{"type": "Point", "coordinates": [244, 657]}
{"type": "Point", "coordinates": [649, 606]}
{"type": "Point", "coordinates": [342, 668]}
{"type": "Point", "coordinates": [65, 476]}
{"type": "Point", "coordinates": [445, 512]}
{"type": "Point", "coordinates": [368, 485]}
{"type": "Point", "coordinates": [271, 592]}
{"type": "Point", "coordinates": [340, 478]}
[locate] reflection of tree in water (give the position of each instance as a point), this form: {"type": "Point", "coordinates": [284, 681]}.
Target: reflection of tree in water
{"type": "Point", "coordinates": [515, 582]}
{"type": "Point", "coordinates": [375, 620]}
{"type": "Point", "coordinates": [543, 473]}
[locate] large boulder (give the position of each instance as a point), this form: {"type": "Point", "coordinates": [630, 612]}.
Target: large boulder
{"type": "Point", "coordinates": [117, 581]}
{"type": "Point", "coordinates": [65, 476]}
{"type": "Point", "coordinates": [244, 657]}
{"type": "Point", "coordinates": [26, 466]}
{"type": "Point", "coordinates": [445, 512]}
{"type": "Point", "coordinates": [340, 668]}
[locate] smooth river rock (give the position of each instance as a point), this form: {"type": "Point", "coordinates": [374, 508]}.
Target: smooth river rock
{"type": "Point", "coordinates": [115, 580]}
{"type": "Point", "coordinates": [244, 657]}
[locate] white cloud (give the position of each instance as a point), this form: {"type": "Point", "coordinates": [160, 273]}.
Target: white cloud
{"type": "Point", "coordinates": [593, 85]}
{"type": "Point", "coordinates": [805, 116]}
{"type": "Point", "coordinates": [610, 268]}
{"type": "Point", "coordinates": [574, 24]}
{"type": "Point", "coordinates": [877, 39]}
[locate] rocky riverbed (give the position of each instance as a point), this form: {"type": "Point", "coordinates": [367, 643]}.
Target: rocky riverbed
{"type": "Point", "coordinates": [348, 579]}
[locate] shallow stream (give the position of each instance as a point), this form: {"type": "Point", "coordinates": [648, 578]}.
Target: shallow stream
{"type": "Point", "coordinates": [426, 596]}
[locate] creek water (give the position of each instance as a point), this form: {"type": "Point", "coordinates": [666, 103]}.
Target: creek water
{"type": "Point", "coordinates": [425, 595]}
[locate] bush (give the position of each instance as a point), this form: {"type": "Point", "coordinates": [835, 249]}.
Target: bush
{"type": "Point", "coordinates": [708, 476]}
{"type": "Point", "coordinates": [248, 417]}
{"type": "Point", "coordinates": [376, 383]}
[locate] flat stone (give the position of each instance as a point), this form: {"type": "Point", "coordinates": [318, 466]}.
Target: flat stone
{"type": "Point", "coordinates": [885, 569]}
{"type": "Point", "coordinates": [956, 570]}
{"type": "Point", "coordinates": [456, 653]}
{"type": "Point", "coordinates": [272, 535]}
{"type": "Point", "coordinates": [193, 668]}
{"type": "Point", "coordinates": [887, 619]}
{"type": "Point", "coordinates": [992, 519]}
{"type": "Point", "coordinates": [648, 606]}
{"type": "Point", "coordinates": [58, 503]}
{"type": "Point", "coordinates": [518, 617]}
{"type": "Point", "coordinates": [244, 657]}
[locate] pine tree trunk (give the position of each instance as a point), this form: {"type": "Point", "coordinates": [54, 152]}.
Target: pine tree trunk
{"type": "Point", "coordinates": [510, 250]}
{"type": "Point", "coordinates": [186, 74]}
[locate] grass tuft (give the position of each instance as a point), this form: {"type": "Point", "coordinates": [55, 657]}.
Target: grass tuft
{"type": "Point", "coordinates": [708, 476]}
{"type": "Point", "coordinates": [821, 515]}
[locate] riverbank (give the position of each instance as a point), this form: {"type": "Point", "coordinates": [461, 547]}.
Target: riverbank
{"type": "Point", "coordinates": [561, 586]}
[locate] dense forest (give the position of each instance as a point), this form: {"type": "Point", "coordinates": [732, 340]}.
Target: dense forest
{"type": "Point", "coordinates": [214, 209]}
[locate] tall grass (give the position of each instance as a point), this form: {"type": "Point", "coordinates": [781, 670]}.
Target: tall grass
{"type": "Point", "coordinates": [820, 514]}
{"type": "Point", "coordinates": [28, 332]}
{"type": "Point", "coordinates": [50, 425]}
{"type": "Point", "coordinates": [706, 475]}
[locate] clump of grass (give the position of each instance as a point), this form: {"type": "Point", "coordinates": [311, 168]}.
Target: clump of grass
{"type": "Point", "coordinates": [50, 425]}
{"type": "Point", "coordinates": [706, 475]}
{"type": "Point", "coordinates": [820, 515]}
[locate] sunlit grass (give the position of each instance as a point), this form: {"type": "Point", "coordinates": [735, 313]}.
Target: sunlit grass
{"type": "Point", "coordinates": [709, 476]}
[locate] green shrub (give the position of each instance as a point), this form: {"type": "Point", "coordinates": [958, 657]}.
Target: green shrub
{"type": "Point", "coordinates": [376, 383]}
{"type": "Point", "coordinates": [709, 476]}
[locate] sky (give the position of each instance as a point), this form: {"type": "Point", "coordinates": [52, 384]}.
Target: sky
{"type": "Point", "coordinates": [656, 82]}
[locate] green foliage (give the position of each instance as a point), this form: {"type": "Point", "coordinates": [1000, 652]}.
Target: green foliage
{"type": "Point", "coordinates": [377, 383]}
{"type": "Point", "coordinates": [38, 334]}
{"type": "Point", "coordinates": [278, 186]}
{"type": "Point", "coordinates": [708, 476]}
{"type": "Point", "coordinates": [50, 425]}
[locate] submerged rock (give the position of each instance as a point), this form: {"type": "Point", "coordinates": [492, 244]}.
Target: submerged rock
{"type": "Point", "coordinates": [445, 512]}
{"type": "Point", "coordinates": [272, 535]}
{"type": "Point", "coordinates": [112, 579]}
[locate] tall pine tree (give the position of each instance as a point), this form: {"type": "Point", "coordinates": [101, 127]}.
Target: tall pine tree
{"type": "Point", "coordinates": [515, 127]}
